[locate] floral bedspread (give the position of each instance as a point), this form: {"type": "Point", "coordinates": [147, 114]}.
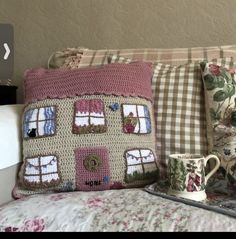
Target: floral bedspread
{"type": "Point", "coordinates": [113, 210]}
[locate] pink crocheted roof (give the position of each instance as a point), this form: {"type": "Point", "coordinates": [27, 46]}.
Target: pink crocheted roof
{"type": "Point", "coordinates": [113, 79]}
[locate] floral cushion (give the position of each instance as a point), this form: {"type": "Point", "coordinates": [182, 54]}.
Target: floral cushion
{"type": "Point", "coordinates": [125, 210]}
{"type": "Point", "coordinates": [88, 129]}
{"type": "Point", "coordinates": [220, 84]}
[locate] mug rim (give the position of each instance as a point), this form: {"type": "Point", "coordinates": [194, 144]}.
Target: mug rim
{"type": "Point", "coordinates": [186, 156]}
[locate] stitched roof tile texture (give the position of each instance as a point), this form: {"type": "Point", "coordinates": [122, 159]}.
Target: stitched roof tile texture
{"type": "Point", "coordinates": [114, 79]}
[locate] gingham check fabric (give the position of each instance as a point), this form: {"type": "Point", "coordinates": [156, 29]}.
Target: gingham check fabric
{"type": "Point", "coordinates": [173, 56]}
{"type": "Point", "coordinates": [179, 108]}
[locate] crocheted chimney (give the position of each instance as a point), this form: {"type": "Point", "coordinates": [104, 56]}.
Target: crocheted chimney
{"type": "Point", "coordinates": [88, 129]}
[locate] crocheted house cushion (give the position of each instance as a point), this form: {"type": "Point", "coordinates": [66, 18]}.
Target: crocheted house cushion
{"type": "Point", "coordinates": [88, 129]}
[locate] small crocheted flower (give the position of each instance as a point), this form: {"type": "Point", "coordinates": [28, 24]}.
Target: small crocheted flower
{"type": "Point", "coordinates": [114, 107]}
{"type": "Point", "coordinates": [106, 179]}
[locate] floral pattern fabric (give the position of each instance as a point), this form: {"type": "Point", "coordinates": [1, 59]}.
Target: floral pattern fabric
{"type": "Point", "coordinates": [221, 197]}
{"type": "Point", "coordinates": [220, 87]}
{"type": "Point", "coordinates": [114, 210]}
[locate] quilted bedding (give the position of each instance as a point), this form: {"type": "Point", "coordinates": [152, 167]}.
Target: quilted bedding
{"type": "Point", "coordinates": [112, 210]}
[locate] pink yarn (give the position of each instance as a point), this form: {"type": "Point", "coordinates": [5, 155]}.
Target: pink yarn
{"type": "Point", "coordinates": [95, 106]}
{"type": "Point", "coordinates": [113, 79]}
{"type": "Point", "coordinates": [82, 106]}
{"type": "Point", "coordinates": [85, 177]}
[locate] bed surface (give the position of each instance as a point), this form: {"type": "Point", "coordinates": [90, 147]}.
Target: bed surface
{"type": "Point", "coordinates": [113, 210]}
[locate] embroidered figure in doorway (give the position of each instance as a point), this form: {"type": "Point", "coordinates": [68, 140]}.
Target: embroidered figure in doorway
{"type": "Point", "coordinates": [129, 123]}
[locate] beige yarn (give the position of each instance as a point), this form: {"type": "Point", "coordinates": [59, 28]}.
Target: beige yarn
{"type": "Point", "coordinates": [63, 143]}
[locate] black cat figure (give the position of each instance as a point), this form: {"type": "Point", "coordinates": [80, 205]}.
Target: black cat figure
{"type": "Point", "coordinates": [32, 133]}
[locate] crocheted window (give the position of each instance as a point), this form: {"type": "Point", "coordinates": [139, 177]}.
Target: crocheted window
{"type": "Point", "coordinates": [89, 117]}
{"type": "Point", "coordinates": [141, 165]}
{"type": "Point", "coordinates": [41, 171]}
{"type": "Point", "coordinates": [39, 122]}
{"type": "Point", "coordinates": [136, 119]}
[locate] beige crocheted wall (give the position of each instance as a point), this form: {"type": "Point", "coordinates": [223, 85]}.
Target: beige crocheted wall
{"type": "Point", "coordinates": [43, 26]}
{"type": "Point", "coordinates": [114, 139]}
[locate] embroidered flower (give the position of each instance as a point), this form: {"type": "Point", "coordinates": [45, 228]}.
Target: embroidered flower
{"type": "Point", "coordinates": [57, 197]}
{"type": "Point", "coordinates": [35, 225]}
{"type": "Point", "coordinates": [129, 128]}
{"type": "Point", "coordinates": [106, 179]}
{"type": "Point", "coordinates": [114, 107]}
{"type": "Point", "coordinates": [214, 69]}
{"type": "Point", "coordinates": [95, 203]}
{"type": "Point", "coordinates": [11, 229]}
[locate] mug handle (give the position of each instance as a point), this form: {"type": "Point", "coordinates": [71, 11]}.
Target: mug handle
{"type": "Point", "coordinates": [214, 169]}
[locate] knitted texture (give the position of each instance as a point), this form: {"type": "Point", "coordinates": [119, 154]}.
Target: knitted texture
{"type": "Point", "coordinates": [133, 80]}
{"type": "Point", "coordinates": [92, 169]}
{"type": "Point", "coordinates": [99, 141]}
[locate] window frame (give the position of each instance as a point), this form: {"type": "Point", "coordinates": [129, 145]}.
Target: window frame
{"type": "Point", "coordinates": [127, 180]}
{"type": "Point", "coordinates": [136, 117]}
{"type": "Point", "coordinates": [40, 174]}
{"type": "Point", "coordinates": [37, 122]}
{"type": "Point", "coordinates": [95, 129]}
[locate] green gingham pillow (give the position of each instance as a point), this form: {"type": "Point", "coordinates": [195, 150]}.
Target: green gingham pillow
{"type": "Point", "coordinates": [178, 107]}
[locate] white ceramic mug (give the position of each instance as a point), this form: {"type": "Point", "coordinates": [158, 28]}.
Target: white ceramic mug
{"type": "Point", "coordinates": [186, 175]}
